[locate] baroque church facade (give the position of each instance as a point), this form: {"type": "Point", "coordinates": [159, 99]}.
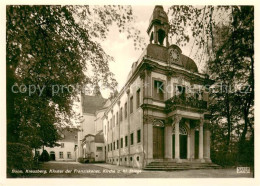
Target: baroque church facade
{"type": "Point", "coordinates": [160, 115]}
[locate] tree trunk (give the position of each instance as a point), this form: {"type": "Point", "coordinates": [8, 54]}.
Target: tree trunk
{"type": "Point", "coordinates": [228, 121]}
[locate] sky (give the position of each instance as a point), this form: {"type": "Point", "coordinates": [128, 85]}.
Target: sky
{"type": "Point", "coordinates": [122, 49]}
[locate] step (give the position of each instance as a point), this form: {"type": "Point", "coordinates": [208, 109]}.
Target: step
{"type": "Point", "coordinates": [180, 166]}
{"type": "Point", "coordinates": [176, 169]}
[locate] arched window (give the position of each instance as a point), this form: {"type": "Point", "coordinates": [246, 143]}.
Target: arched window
{"type": "Point", "coordinates": [161, 36]}
{"type": "Point", "coordinates": [182, 130]}
{"type": "Point", "coordinates": [158, 123]}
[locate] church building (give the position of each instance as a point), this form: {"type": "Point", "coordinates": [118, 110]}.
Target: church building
{"type": "Point", "coordinates": [161, 113]}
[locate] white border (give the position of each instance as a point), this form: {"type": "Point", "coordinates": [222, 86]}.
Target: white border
{"type": "Point", "coordinates": [104, 181]}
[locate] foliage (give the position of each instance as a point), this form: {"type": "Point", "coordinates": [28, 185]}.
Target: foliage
{"type": "Point", "coordinates": [44, 156]}
{"type": "Point", "coordinates": [55, 48]}
{"type": "Point", "coordinates": [223, 38]}
{"type": "Point", "coordinates": [81, 160]}
{"type": "Point", "coordinates": [19, 157]}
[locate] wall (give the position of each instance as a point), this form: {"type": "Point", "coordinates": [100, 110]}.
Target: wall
{"type": "Point", "coordinates": [68, 147]}
{"type": "Point", "coordinates": [99, 155]}
{"type": "Point", "coordinates": [98, 121]}
{"type": "Point", "coordinates": [128, 125]}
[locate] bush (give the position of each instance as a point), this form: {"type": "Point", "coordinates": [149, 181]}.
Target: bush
{"type": "Point", "coordinates": [224, 159]}
{"type": "Point", "coordinates": [19, 157]}
{"type": "Point", "coordinates": [44, 156]}
{"type": "Point", "coordinates": [81, 160]}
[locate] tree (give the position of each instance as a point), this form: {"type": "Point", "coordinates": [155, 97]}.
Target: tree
{"type": "Point", "coordinates": [51, 52]}
{"type": "Point", "coordinates": [223, 38]}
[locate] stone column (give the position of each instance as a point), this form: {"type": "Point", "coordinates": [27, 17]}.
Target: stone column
{"type": "Point", "coordinates": [168, 140]}
{"type": "Point", "coordinates": [147, 84]}
{"type": "Point", "coordinates": [188, 147]}
{"type": "Point", "coordinates": [208, 146]}
{"type": "Point", "coordinates": [148, 137]}
{"type": "Point", "coordinates": [201, 140]}
{"type": "Point", "coordinates": [187, 123]}
{"type": "Point", "coordinates": [177, 138]}
{"type": "Point", "coordinates": [192, 144]}
{"type": "Point", "coordinates": [168, 89]}
{"type": "Point", "coordinates": [206, 143]}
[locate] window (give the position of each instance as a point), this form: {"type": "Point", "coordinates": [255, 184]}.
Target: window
{"type": "Point", "coordinates": [62, 145]}
{"type": "Point", "coordinates": [117, 144]}
{"type": "Point", "coordinates": [117, 118]}
{"type": "Point", "coordinates": [158, 90]}
{"type": "Point", "coordinates": [114, 145]}
{"type": "Point", "coordinates": [138, 98]}
{"type": "Point", "coordinates": [69, 155]}
{"type": "Point", "coordinates": [138, 136]}
{"type": "Point", "coordinates": [126, 141]}
{"type": "Point", "coordinates": [131, 104]}
{"type": "Point", "coordinates": [137, 158]}
{"type": "Point", "coordinates": [111, 146]}
{"type": "Point", "coordinates": [132, 138]}
{"type": "Point", "coordinates": [61, 155]}
{"type": "Point", "coordinates": [121, 114]}
{"type": "Point", "coordinates": [126, 110]}
{"type": "Point", "coordinates": [181, 91]}
{"type": "Point", "coordinates": [121, 145]}
{"type": "Point", "coordinates": [125, 159]}
{"type": "Point", "coordinates": [108, 148]}
{"type": "Point", "coordinates": [131, 159]}
{"type": "Point", "coordinates": [99, 148]}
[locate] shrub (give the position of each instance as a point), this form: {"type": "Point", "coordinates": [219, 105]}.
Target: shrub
{"type": "Point", "coordinates": [19, 157]}
{"type": "Point", "coordinates": [44, 156]}
{"type": "Point", "coordinates": [81, 160]}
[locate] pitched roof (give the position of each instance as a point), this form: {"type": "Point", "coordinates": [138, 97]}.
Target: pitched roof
{"type": "Point", "coordinates": [90, 104]}
{"type": "Point", "coordinates": [99, 138]}
{"type": "Point", "coordinates": [69, 134]}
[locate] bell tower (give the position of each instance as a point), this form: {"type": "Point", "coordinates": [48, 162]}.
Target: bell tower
{"type": "Point", "coordinates": [159, 27]}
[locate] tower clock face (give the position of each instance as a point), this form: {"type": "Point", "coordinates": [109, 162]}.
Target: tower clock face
{"type": "Point", "coordinates": [174, 56]}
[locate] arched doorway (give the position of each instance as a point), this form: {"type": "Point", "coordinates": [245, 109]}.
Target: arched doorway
{"type": "Point", "coordinates": [183, 142]}
{"type": "Point", "coordinates": [52, 156]}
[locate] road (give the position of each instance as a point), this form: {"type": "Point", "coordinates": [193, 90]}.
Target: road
{"type": "Point", "coordinates": [77, 170]}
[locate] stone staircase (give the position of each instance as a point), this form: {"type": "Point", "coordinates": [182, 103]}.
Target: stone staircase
{"type": "Point", "coordinates": [173, 166]}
